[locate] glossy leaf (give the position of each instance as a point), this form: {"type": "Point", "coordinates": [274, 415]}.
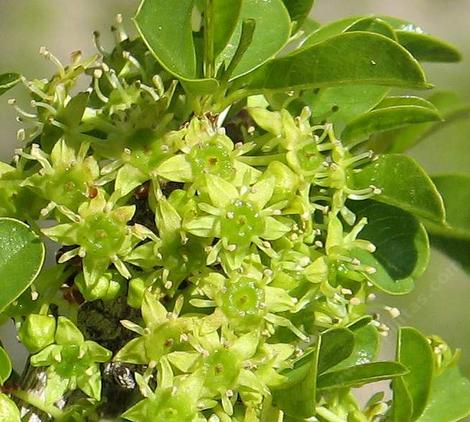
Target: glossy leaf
{"type": "Point", "coordinates": [271, 34]}
{"type": "Point", "coordinates": [21, 258]}
{"type": "Point", "coordinates": [402, 404]}
{"type": "Point", "coordinates": [166, 29]}
{"type": "Point", "coordinates": [356, 376]}
{"type": "Point", "coordinates": [354, 57]}
{"type": "Point", "coordinates": [451, 108]}
{"type": "Point", "coordinates": [381, 278]}
{"type": "Point", "coordinates": [298, 10]}
{"type": "Point", "coordinates": [341, 104]}
{"type": "Point", "coordinates": [299, 399]}
{"type": "Point", "coordinates": [423, 46]}
{"type": "Point", "coordinates": [5, 366]}
{"type": "Point", "coordinates": [411, 345]}
{"type": "Point", "coordinates": [366, 345]}
{"type": "Point", "coordinates": [226, 14]}
{"type": "Point", "coordinates": [455, 191]}
{"type": "Point", "coordinates": [401, 240]}
{"type": "Point", "coordinates": [373, 24]}
{"type": "Point", "coordinates": [449, 399]}
{"type": "Point", "coordinates": [336, 345]}
{"type": "Point", "coordinates": [8, 81]}
{"type": "Point", "coordinates": [457, 249]}
{"type": "Point", "coordinates": [427, 48]}
{"type": "Point", "coordinates": [330, 30]}
{"type": "Point", "coordinates": [403, 184]}
{"type": "Point", "coordinates": [392, 113]}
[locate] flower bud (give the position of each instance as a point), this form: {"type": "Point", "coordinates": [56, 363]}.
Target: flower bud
{"type": "Point", "coordinates": [37, 332]}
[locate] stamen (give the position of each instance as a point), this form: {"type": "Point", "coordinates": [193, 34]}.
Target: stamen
{"type": "Point", "coordinates": [98, 73]}
{"type": "Point", "coordinates": [48, 107]}
{"type": "Point", "coordinates": [53, 59]}
{"type": "Point", "coordinates": [97, 43]}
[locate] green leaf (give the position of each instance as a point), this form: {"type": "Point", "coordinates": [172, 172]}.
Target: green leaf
{"type": "Point", "coordinates": [423, 46]}
{"type": "Point", "coordinates": [457, 249]}
{"type": "Point", "coordinates": [451, 108]}
{"type": "Point", "coordinates": [166, 29]}
{"type": "Point", "coordinates": [403, 183]}
{"type": "Point", "coordinates": [341, 104]}
{"type": "Point", "coordinates": [8, 410]}
{"type": "Point", "coordinates": [349, 58]}
{"type": "Point", "coordinates": [449, 399]}
{"type": "Point", "coordinates": [330, 30]}
{"type": "Point", "coordinates": [5, 366]}
{"type": "Point", "coordinates": [381, 278]}
{"type": "Point", "coordinates": [226, 14]}
{"type": "Point", "coordinates": [392, 113]}
{"type": "Point", "coordinates": [298, 11]}
{"type": "Point", "coordinates": [8, 81]}
{"type": "Point", "coordinates": [455, 191]}
{"type": "Point", "coordinates": [427, 48]}
{"type": "Point", "coordinates": [298, 399]}
{"type": "Point", "coordinates": [271, 34]}
{"type": "Point", "coordinates": [402, 404]}
{"type": "Point", "coordinates": [453, 238]}
{"type": "Point", "coordinates": [366, 345]}
{"type": "Point", "coordinates": [401, 240]}
{"type": "Point", "coordinates": [414, 352]}
{"type": "Point", "coordinates": [356, 376]}
{"type": "Point", "coordinates": [336, 345]}
{"type": "Point", "coordinates": [373, 24]}
{"type": "Point", "coordinates": [21, 258]}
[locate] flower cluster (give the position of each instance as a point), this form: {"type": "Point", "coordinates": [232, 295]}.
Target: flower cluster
{"type": "Point", "coordinates": [238, 252]}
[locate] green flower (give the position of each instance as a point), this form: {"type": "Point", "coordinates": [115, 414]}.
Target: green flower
{"type": "Point", "coordinates": [72, 362]}
{"type": "Point", "coordinates": [101, 235]}
{"type": "Point", "coordinates": [206, 151]}
{"type": "Point", "coordinates": [239, 217]}
{"type": "Point", "coordinates": [66, 178]}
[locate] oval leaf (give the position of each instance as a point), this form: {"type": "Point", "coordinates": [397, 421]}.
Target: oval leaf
{"type": "Point", "coordinates": [387, 118]}
{"type": "Point", "coordinates": [449, 399]}
{"type": "Point", "coordinates": [455, 191]}
{"type": "Point", "coordinates": [226, 14]}
{"type": "Point", "coordinates": [404, 184]}
{"type": "Point", "coordinates": [271, 33]}
{"type": "Point", "coordinates": [401, 241]}
{"type": "Point", "coordinates": [366, 346]}
{"type": "Point", "coordinates": [299, 399]}
{"type": "Point", "coordinates": [166, 29]}
{"type": "Point", "coordinates": [21, 258]}
{"type": "Point", "coordinates": [298, 11]}
{"type": "Point", "coordinates": [356, 376]}
{"type": "Point", "coordinates": [354, 57]}
{"type": "Point", "coordinates": [330, 30]}
{"type": "Point", "coordinates": [372, 24]}
{"type": "Point", "coordinates": [5, 366]}
{"type": "Point", "coordinates": [414, 352]}
{"type": "Point", "coordinates": [336, 345]}
{"type": "Point", "coordinates": [381, 278]}
{"type": "Point", "coordinates": [402, 405]}
{"type": "Point", "coordinates": [8, 81]}
{"type": "Point", "coordinates": [427, 48]}
{"type": "Point", "coordinates": [341, 104]}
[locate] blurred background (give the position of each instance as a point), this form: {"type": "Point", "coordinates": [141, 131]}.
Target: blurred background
{"type": "Point", "coordinates": [439, 305]}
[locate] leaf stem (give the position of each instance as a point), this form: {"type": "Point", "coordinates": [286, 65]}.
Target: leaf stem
{"type": "Point", "coordinates": [328, 415]}
{"type": "Point", "coordinates": [209, 59]}
{"type": "Point", "coordinates": [36, 402]}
